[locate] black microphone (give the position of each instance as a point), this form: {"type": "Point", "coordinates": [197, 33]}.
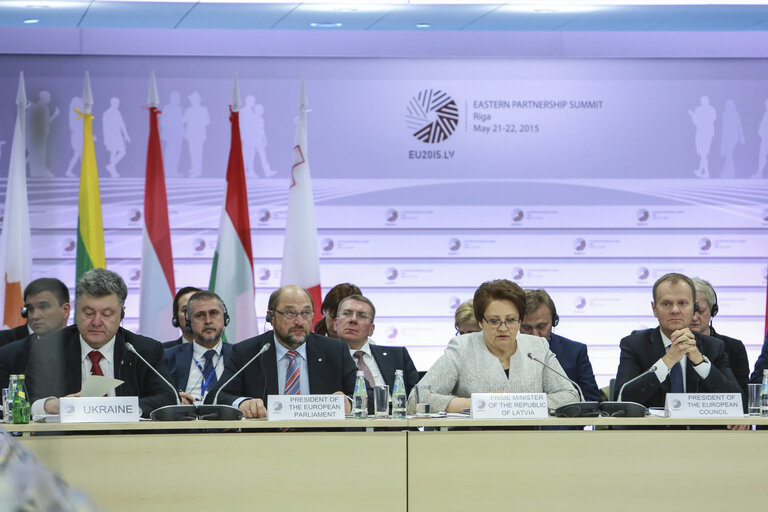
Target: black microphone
{"type": "Point", "coordinates": [263, 349]}
{"type": "Point", "coordinates": [646, 372]}
{"type": "Point", "coordinates": [545, 365]}
{"type": "Point", "coordinates": [130, 348]}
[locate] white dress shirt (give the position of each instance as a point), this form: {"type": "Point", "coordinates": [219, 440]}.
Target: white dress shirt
{"type": "Point", "coordinates": [378, 378]}
{"type": "Point", "coordinates": [662, 371]}
{"type": "Point", "coordinates": [196, 366]}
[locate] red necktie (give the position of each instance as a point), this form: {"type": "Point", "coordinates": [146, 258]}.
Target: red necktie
{"type": "Point", "coordinates": [95, 356]}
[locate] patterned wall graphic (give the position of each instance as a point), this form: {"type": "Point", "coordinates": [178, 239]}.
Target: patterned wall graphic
{"type": "Point", "coordinates": [589, 178]}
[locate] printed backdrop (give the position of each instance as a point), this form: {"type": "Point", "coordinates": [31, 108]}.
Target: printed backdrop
{"type": "Point", "coordinates": [590, 178]}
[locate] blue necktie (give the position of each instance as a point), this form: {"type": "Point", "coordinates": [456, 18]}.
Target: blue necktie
{"type": "Point", "coordinates": [208, 368]}
{"type": "Point", "coordinates": [676, 379]}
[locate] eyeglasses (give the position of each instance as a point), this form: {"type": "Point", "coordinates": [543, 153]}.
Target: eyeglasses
{"type": "Point", "coordinates": [496, 323]}
{"type": "Point", "coordinates": [347, 315]}
{"type": "Point", "coordinates": [306, 315]}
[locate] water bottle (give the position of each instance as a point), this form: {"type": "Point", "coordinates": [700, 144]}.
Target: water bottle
{"type": "Point", "coordinates": [20, 407]}
{"type": "Point", "coordinates": [399, 397]}
{"type": "Point", "coordinates": [360, 398]}
{"type": "Point", "coordinates": [764, 395]}
{"type": "Point", "coordinates": [8, 402]}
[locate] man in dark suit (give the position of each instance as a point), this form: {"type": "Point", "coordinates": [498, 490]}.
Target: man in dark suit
{"type": "Point", "coordinates": [354, 325]}
{"type": "Point", "coordinates": [196, 367]}
{"type": "Point", "coordinates": [761, 364]}
{"type": "Point", "coordinates": [179, 319]}
{"type": "Point", "coordinates": [540, 317]}
{"type": "Point", "coordinates": [57, 365]}
{"type": "Point", "coordinates": [296, 362]}
{"type": "Point", "coordinates": [46, 308]}
{"type": "Point", "coordinates": [684, 361]}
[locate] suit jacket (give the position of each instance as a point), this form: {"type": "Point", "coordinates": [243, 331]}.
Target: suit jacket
{"type": "Point", "coordinates": [389, 359]}
{"type": "Point", "coordinates": [13, 359]}
{"type": "Point", "coordinates": [178, 360]}
{"type": "Point", "coordinates": [10, 335]}
{"type": "Point", "coordinates": [573, 357]}
{"type": "Point", "coordinates": [761, 363]}
{"type": "Point", "coordinates": [641, 349]}
{"type": "Point", "coordinates": [53, 368]}
{"type": "Point", "coordinates": [173, 343]}
{"type": "Point", "coordinates": [737, 357]}
{"type": "Point", "coordinates": [331, 369]}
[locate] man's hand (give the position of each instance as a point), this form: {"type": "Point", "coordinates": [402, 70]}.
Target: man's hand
{"type": "Point", "coordinates": [347, 403]}
{"type": "Point", "coordinates": [685, 340]}
{"type": "Point", "coordinates": [186, 398]}
{"type": "Point", "coordinates": [253, 408]}
{"type": "Point", "coordinates": [53, 405]}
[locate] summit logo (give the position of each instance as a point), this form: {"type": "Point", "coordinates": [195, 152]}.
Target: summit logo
{"type": "Point", "coordinates": [432, 116]}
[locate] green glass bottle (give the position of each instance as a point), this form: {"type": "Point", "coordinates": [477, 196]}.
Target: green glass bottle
{"type": "Point", "coordinates": [20, 408]}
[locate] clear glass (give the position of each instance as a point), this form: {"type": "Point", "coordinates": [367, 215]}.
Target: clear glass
{"type": "Point", "coordinates": [753, 399]}
{"type": "Point", "coordinates": [423, 399]}
{"type": "Point", "coordinates": [381, 401]}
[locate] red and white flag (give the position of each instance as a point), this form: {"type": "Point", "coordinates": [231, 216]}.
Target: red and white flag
{"type": "Point", "coordinates": [232, 271]}
{"type": "Point", "coordinates": [15, 242]}
{"type": "Point", "coordinates": [301, 265]}
{"type": "Point", "coordinates": [157, 282]}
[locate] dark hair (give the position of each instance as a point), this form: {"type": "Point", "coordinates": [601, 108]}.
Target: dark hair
{"type": "Point", "coordinates": [499, 289]}
{"type": "Point", "coordinates": [673, 278]}
{"type": "Point", "coordinates": [48, 284]}
{"type": "Point", "coordinates": [359, 298]}
{"type": "Point", "coordinates": [335, 294]}
{"type": "Point", "coordinates": [274, 298]}
{"type": "Point", "coordinates": [205, 295]}
{"type": "Point", "coordinates": [535, 298]}
{"type": "Point", "coordinates": [100, 282]}
{"type": "Point", "coordinates": [181, 293]}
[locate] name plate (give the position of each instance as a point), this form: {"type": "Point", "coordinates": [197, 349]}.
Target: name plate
{"type": "Point", "coordinates": [305, 407]}
{"type": "Point", "coordinates": [704, 405]}
{"type": "Point", "coordinates": [103, 409]}
{"type": "Point", "coordinates": [509, 406]}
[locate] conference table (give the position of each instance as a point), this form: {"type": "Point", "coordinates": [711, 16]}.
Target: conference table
{"type": "Point", "coordinates": [417, 464]}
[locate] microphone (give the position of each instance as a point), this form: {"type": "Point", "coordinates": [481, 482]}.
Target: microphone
{"type": "Point", "coordinates": [131, 348]}
{"type": "Point", "coordinates": [545, 365]}
{"type": "Point", "coordinates": [646, 372]}
{"type": "Point", "coordinates": [263, 349]}
{"type": "Point", "coordinates": [574, 409]}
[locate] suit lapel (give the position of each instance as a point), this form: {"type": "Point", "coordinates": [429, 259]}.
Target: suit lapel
{"type": "Point", "coordinates": [73, 379]}
{"type": "Point", "coordinates": [317, 367]}
{"type": "Point", "coordinates": [183, 363]}
{"type": "Point", "coordinates": [385, 361]}
{"type": "Point", "coordinates": [269, 359]}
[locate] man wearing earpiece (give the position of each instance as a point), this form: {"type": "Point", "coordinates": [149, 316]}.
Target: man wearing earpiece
{"type": "Point", "coordinates": [297, 361]}
{"type": "Point", "coordinates": [179, 319]}
{"type": "Point", "coordinates": [701, 322]}
{"type": "Point", "coordinates": [540, 318]}
{"type": "Point", "coordinates": [46, 308]}
{"type": "Point", "coordinates": [196, 367]}
{"type": "Point", "coordinates": [58, 364]}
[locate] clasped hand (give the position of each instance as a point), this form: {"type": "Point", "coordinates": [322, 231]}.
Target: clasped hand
{"type": "Point", "coordinates": [683, 345]}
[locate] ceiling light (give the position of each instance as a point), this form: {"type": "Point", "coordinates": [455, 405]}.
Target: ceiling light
{"type": "Point", "coordinates": [29, 22]}
{"type": "Point", "coordinates": [423, 25]}
{"type": "Point", "coordinates": [325, 24]}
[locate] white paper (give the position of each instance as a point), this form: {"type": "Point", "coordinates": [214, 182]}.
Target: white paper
{"type": "Point", "coordinates": [98, 385]}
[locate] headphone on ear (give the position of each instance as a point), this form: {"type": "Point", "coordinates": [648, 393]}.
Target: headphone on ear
{"type": "Point", "coordinates": [175, 319]}
{"type": "Point", "coordinates": [122, 314]}
{"type": "Point", "coordinates": [555, 319]}
{"type": "Point", "coordinates": [24, 312]}
{"type": "Point", "coordinates": [269, 316]}
{"type": "Point", "coordinates": [715, 308]}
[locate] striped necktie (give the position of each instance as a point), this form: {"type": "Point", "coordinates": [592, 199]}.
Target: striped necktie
{"type": "Point", "coordinates": [292, 381]}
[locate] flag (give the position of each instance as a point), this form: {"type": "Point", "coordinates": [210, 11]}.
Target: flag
{"type": "Point", "coordinates": [15, 242]}
{"type": "Point", "coordinates": [300, 261]}
{"type": "Point", "coordinates": [157, 283]}
{"type": "Point", "coordinates": [232, 271]}
{"type": "Point", "coordinates": [90, 230]}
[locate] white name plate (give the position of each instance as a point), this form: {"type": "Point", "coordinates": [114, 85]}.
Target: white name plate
{"type": "Point", "coordinates": [509, 406]}
{"type": "Point", "coordinates": [103, 409]}
{"type": "Point", "coordinates": [305, 407]}
{"type": "Point", "coordinates": [704, 405]}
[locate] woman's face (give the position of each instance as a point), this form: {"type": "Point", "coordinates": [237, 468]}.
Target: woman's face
{"type": "Point", "coordinates": [500, 337]}
{"type": "Point", "coordinates": [330, 319]}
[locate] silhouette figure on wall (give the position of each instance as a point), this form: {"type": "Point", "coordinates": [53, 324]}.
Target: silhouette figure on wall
{"type": "Point", "coordinates": [39, 119]}
{"type": "Point", "coordinates": [196, 123]}
{"type": "Point", "coordinates": [254, 137]}
{"type": "Point", "coordinates": [75, 135]}
{"type": "Point", "coordinates": [763, 132]}
{"type": "Point", "coordinates": [732, 134]}
{"type": "Point", "coordinates": [172, 133]}
{"type": "Point", "coordinates": [703, 118]}
{"type": "Point", "coordinates": [115, 135]}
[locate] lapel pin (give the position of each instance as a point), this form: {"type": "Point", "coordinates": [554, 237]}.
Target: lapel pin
{"type": "Point", "coordinates": [384, 353]}
{"type": "Point", "coordinates": [319, 359]}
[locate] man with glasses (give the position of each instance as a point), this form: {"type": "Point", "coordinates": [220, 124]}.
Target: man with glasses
{"type": "Point", "coordinates": [684, 361]}
{"type": "Point", "coordinates": [297, 361]}
{"type": "Point", "coordinates": [354, 325]}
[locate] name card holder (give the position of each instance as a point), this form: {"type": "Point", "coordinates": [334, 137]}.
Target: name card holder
{"type": "Point", "coordinates": [509, 406]}
{"type": "Point", "coordinates": [704, 405]}
{"type": "Point", "coordinates": [305, 407]}
{"type": "Point", "coordinates": [103, 409]}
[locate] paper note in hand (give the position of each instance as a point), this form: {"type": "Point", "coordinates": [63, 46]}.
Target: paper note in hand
{"type": "Point", "coordinates": [98, 385]}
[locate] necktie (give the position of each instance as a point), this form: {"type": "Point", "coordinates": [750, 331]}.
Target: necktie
{"type": "Point", "coordinates": [292, 381]}
{"type": "Point", "coordinates": [95, 356]}
{"type": "Point", "coordinates": [364, 367]}
{"type": "Point", "coordinates": [676, 379]}
{"type": "Point", "coordinates": [209, 372]}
